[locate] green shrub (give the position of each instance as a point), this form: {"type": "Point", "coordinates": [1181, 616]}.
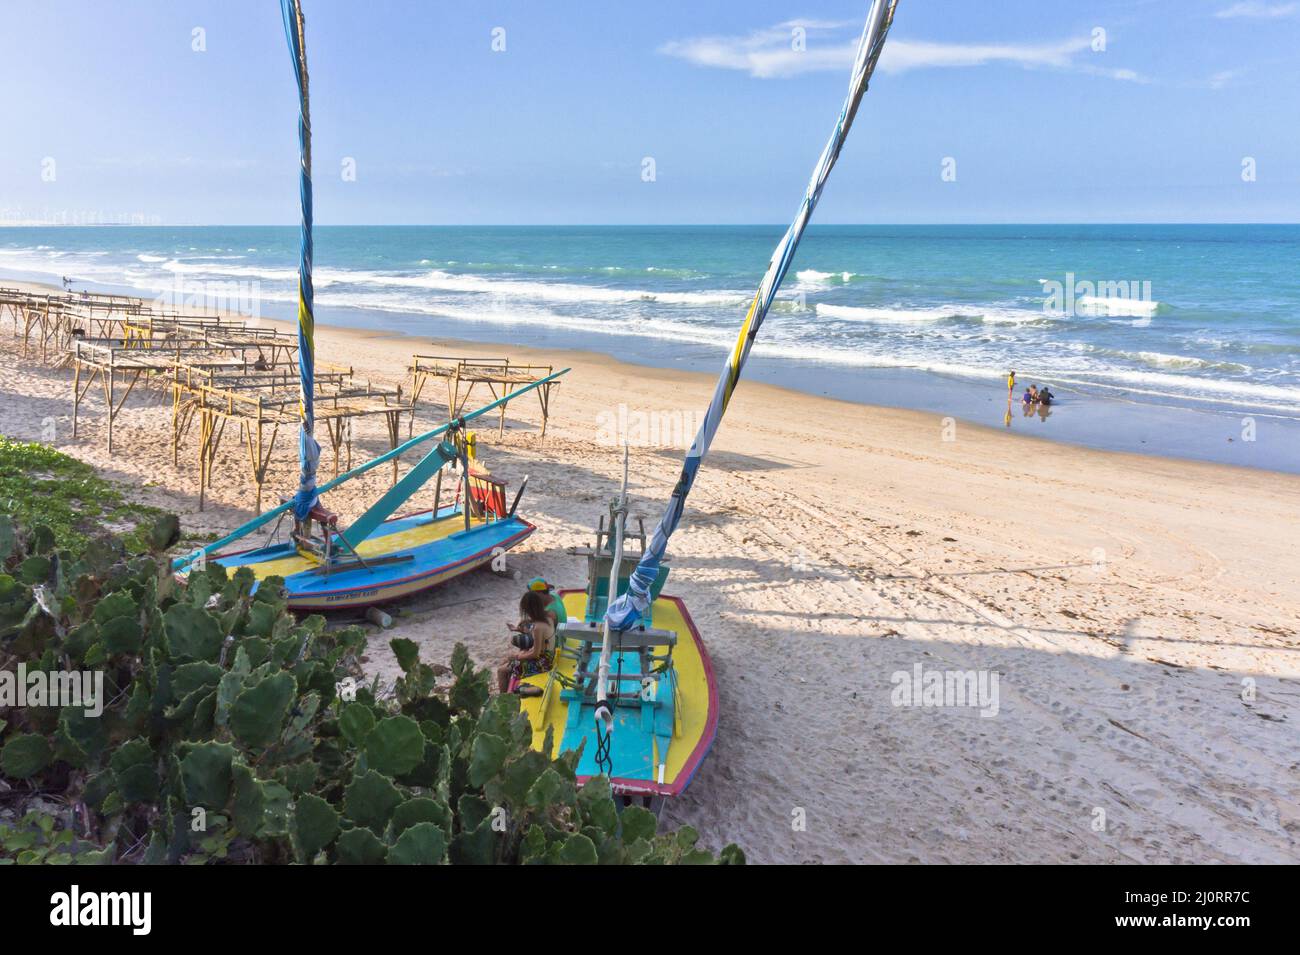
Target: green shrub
{"type": "Point", "coordinates": [42, 487]}
{"type": "Point", "coordinates": [234, 733]}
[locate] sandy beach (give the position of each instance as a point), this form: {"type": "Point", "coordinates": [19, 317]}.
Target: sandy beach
{"type": "Point", "coordinates": [1140, 614]}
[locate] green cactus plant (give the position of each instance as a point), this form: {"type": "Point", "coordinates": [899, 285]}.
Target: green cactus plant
{"type": "Point", "coordinates": [225, 740]}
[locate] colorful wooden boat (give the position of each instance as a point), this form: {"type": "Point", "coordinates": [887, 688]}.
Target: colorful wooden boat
{"type": "Point", "coordinates": [377, 558]}
{"type": "Point", "coordinates": [406, 554]}
{"type": "Point", "coordinates": [663, 692]}
{"type": "Point", "coordinates": [624, 684]}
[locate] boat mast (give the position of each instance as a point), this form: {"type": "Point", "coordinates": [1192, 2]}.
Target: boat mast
{"type": "Point", "coordinates": [626, 610]}
{"type": "Point", "coordinates": [308, 450]}
{"type": "Point", "coordinates": [604, 712]}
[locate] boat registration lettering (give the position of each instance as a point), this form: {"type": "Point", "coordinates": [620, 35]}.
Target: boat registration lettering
{"type": "Point", "coordinates": [354, 595]}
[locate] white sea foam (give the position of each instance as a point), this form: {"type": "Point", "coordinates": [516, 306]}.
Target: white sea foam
{"type": "Point", "coordinates": [440, 281]}
{"type": "Point", "coordinates": [912, 316]}
{"type": "Point", "coordinates": [893, 316]}
{"type": "Point", "coordinates": [893, 336]}
{"type": "Point", "coordinates": [400, 293]}
{"type": "Point", "coordinates": [811, 279]}
{"type": "Point", "coordinates": [1116, 306]}
{"type": "Point", "coordinates": [236, 271]}
{"type": "Point", "coordinates": [1161, 360]}
{"type": "Point", "coordinates": [1185, 387]}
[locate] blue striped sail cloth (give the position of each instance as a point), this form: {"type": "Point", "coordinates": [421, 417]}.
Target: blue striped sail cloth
{"type": "Point", "coordinates": [628, 609]}
{"type": "Point", "coordinates": [306, 496]}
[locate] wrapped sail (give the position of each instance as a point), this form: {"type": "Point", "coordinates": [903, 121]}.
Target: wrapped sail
{"type": "Point", "coordinates": [306, 496]}
{"type": "Point", "coordinates": [628, 608]}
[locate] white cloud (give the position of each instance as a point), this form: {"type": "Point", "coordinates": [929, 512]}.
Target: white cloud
{"type": "Point", "coordinates": [901, 55]}
{"type": "Point", "coordinates": [1219, 80]}
{"type": "Point", "coordinates": [772, 53]}
{"type": "Point", "coordinates": [1258, 11]}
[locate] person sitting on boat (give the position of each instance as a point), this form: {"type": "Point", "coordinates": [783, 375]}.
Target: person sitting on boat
{"type": "Point", "coordinates": [553, 602]}
{"type": "Point", "coordinates": [532, 638]}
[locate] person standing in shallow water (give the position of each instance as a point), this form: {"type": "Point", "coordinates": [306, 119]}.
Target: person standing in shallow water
{"type": "Point", "coordinates": [1011, 383]}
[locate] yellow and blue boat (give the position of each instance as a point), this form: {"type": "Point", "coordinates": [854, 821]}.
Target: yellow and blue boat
{"type": "Point", "coordinates": [661, 686]}
{"type": "Point", "coordinates": [379, 557]}
{"type": "Point", "coordinates": [632, 684]}
{"type": "Point", "coordinates": [404, 556]}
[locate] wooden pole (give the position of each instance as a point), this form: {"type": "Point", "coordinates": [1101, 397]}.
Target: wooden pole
{"type": "Point", "coordinates": [107, 379]}
{"type": "Point", "coordinates": [76, 401]}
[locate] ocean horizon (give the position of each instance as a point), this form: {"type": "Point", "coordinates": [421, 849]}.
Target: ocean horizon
{"type": "Point", "coordinates": [1156, 338]}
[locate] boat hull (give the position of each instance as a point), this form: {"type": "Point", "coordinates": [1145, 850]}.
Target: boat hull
{"type": "Point", "coordinates": [412, 553]}
{"type": "Point", "coordinates": [635, 753]}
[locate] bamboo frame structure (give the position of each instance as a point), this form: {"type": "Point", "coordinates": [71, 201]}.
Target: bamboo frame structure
{"type": "Point", "coordinates": [106, 361]}
{"type": "Point", "coordinates": [217, 370]}
{"type": "Point", "coordinates": [53, 322]}
{"type": "Point", "coordinates": [462, 375]}
{"type": "Point", "coordinates": [264, 403]}
{"type": "Point", "coordinates": [220, 369]}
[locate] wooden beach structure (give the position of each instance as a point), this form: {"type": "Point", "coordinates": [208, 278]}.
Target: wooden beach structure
{"type": "Point", "coordinates": [217, 369]}
{"type": "Point", "coordinates": [215, 379]}
{"type": "Point", "coordinates": [263, 403]}
{"type": "Point", "coordinates": [498, 376]}
{"type": "Point", "coordinates": [50, 321]}
{"type": "Point", "coordinates": [172, 347]}
{"type": "Point", "coordinates": [114, 361]}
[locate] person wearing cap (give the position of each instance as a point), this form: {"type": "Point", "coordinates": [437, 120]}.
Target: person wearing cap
{"type": "Point", "coordinates": [554, 605]}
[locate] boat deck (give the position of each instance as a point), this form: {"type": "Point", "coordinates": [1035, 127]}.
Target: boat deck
{"type": "Point", "coordinates": [635, 755]}
{"type": "Point", "coordinates": [439, 548]}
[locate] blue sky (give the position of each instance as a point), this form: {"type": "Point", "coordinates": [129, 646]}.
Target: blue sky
{"type": "Point", "coordinates": [554, 129]}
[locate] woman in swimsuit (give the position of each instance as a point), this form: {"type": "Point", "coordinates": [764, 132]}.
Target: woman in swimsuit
{"type": "Point", "coordinates": [534, 637]}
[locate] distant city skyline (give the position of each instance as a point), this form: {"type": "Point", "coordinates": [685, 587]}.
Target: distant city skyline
{"type": "Point", "coordinates": [184, 113]}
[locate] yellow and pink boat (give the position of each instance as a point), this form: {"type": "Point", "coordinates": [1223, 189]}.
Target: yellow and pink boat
{"type": "Point", "coordinates": [661, 689]}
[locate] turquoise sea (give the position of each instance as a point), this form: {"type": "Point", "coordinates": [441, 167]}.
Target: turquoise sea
{"type": "Point", "coordinates": [1155, 338]}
